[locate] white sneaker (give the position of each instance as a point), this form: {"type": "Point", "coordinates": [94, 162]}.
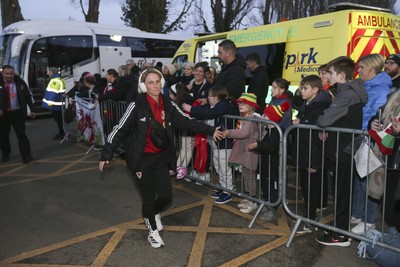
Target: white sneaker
{"type": "Point", "coordinates": [155, 239]}
{"type": "Point", "coordinates": [359, 228]}
{"type": "Point", "coordinates": [250, 207]}
{"type": "Point", "coordinates": [243, 203]}
{"type": "Point", "coordinates": [355, 220]}
{"type": "Point", "coordinates": [205, 176]}
{"type": "Point", "coordinates": [159, 224]}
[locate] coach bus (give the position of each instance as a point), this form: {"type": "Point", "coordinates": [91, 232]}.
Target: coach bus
{"type": "Point", "coordinates": [31, 46]}
{"type": "Point", "coordinates": [296, 48]}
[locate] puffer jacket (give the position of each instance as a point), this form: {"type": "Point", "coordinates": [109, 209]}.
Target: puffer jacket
{"type": "Point", "coordinates": [377, 89]}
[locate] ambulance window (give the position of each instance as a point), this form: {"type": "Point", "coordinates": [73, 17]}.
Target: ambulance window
{"type": "Point", "coordinates": [271, 57]}
{"type": "Point", "coordinates": [180, 60]}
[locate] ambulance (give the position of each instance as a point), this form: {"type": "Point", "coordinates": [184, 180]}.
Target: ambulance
{"type": "Point", "coordinates": [296, 48]}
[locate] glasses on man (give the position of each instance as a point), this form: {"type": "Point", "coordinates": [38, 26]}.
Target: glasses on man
{"type": "Point", "coordinates": [389, 62]}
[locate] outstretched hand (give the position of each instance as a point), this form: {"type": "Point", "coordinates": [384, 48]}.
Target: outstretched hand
{"type": "Point", "coordinates": [252, 146]}
{"type": "Point", "coordinates": [376, 126]}
{"type": "Point", "coordinates": [102, 163]}
{"type": "Point", "coordinates": [218, 135]}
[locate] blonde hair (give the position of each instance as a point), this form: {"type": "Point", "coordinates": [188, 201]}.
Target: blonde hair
{"type": "Point", "coordinates": [374, 61]}
{"type": "Point", "coordinates": [124, 70]}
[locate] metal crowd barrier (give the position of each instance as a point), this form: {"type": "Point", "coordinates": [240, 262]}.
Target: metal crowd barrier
{"type": "Point", "coordinates": [238, 189]}
{"type": "Point", "coordinates": [288, 179]}
{"type": "Point", "coordinates": [110, 112]}
{"type": "Point", "coordinates": [296, 208]}
{"type": "Point", "coordinates": [69, 118]}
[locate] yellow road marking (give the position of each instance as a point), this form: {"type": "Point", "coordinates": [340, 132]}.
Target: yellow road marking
{"type": "Point", "coordinates": [281, 231]}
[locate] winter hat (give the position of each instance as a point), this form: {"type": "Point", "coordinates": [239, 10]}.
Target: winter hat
{"type": "Point", "coordinates": [249, 99]}
{"type": "Point", "coordinates": [395, 58]}
{"type": "Point", "coordinates": [275, 113]}
{"type": "Point", "coordinates": [171, 69]}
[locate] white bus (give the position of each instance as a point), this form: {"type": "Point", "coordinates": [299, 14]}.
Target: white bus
{"type": "Point", "coordinates": [31, 46]}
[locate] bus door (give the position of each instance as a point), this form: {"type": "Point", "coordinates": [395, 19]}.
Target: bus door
{"type": "Point", "coordinates": [111, 57]}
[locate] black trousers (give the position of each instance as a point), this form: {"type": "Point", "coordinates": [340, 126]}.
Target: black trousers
{"type": "Point", "coordinates": [57, 115]}
{"type": "Point", "coordinates": [392, 203]}
{"type": "Point", "coordinates": [343, 193]}
{"type": "Point", "coordinates": [311, 190]}
{"type": "Point", "coordinates": [17, 120]}
{"type": "Point", "coordinates": [154, 183]}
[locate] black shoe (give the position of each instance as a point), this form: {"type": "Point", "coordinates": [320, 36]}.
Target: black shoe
{"type": "Point", "coordinates": [27, 159]}
{"type": "Point", "coordinates": [58, 137]}
{"type": "Point", "coordinates": [5, 158]}
{"type": "Point", "coordinates": [334, 240]}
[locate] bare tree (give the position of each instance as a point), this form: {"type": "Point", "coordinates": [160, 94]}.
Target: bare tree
{"type": "Point", "coordinates": [226, 14]}
{"type": "Point", "coordinates": [155, 15]}
{"type": "Point", "coordinates": [92, 13]}
{"type": "Point", "coordinates": [10, 12]}
{"type": "Point", "coordinates": [276, 10]}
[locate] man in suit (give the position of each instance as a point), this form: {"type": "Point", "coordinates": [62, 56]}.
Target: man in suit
{"type": "Point", "coordinates": [14, 98]}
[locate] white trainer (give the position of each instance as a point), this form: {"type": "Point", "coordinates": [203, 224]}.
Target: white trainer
{"type": "Point", "coordinates": [159, 224]}
{"type": "Point", "coordinates": [354, 220]}
{"type": "Point", "coordinates": [155, 239]}
{"type": "Point", "coordinates": [359, 228]}
{"type": "Point", "coordinates": [250, 207]}
{"type": "Point", "coordinates": [243, 203]}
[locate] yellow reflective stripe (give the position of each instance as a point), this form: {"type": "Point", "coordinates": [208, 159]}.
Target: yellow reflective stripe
{"type": "Point", "coordinates": [52, 103]}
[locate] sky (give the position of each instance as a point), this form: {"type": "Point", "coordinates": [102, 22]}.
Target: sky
{"type": "Point", "coordinates": [110, 10]}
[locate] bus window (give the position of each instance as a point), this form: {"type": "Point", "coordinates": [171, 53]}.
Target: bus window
{"type": "Point", "coordinates": [22, 58]}
{"type": "Point", "coordinates": [138, 47]}
{"type": "Point", "coordinates": [162, 48]}
{"type": "Point", "coordinates": [59, 51]}
{"type": "Point", "coordinates": [5, 49]}
{"type": "Point", "coordinates": [111, 40]}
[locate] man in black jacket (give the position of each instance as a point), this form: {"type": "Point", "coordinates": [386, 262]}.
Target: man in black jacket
{"type": "Point", "coordinates": [14, 97]}
{"type": "Point", "coordinates": [259, 82]}
{"type": "Point", "coordinates": [232, 75]}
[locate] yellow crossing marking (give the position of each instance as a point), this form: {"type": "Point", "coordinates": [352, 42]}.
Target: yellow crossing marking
{"type": "Point", "coordinates": [281, 231]}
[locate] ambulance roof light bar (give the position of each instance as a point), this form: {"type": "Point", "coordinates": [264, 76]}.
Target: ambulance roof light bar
{"type": "Point", "coordinates": [347, 5]}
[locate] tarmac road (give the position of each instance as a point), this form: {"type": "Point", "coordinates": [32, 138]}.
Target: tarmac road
{"type": "Point", "coordinates": [59, 211]}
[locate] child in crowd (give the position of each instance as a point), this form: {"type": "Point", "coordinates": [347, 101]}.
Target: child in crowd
{"type": "Point", "coordinates": [324, 77]}
{"type": "Point", "coordinates": [315, 102]}
{"type": "Point", "coordinates": [246, 132]}
{"type": "Point", "coordinates": [280, 93]}
{"type": "Point", "coordinates": [178, 94]}
{"type": "Point", "coordinates": [346, 111]}
{"type": "Point", "coordinates": [268, 147]}
{"type": "Point", "coordinates": [219, 105]}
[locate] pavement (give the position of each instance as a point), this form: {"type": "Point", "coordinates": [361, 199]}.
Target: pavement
{"type": "Point", "coordinates": [58, 210]}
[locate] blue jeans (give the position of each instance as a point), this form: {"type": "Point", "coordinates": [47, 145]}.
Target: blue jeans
{"type": "Point", "coordinates": [358, 205]}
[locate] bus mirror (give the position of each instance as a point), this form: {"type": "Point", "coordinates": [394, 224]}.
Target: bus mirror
{"type": "Point", "coordinates": [17, 44]}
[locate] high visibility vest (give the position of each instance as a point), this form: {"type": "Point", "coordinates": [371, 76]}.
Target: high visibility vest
{"type": "Point", "coordinates": [53, 96]}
